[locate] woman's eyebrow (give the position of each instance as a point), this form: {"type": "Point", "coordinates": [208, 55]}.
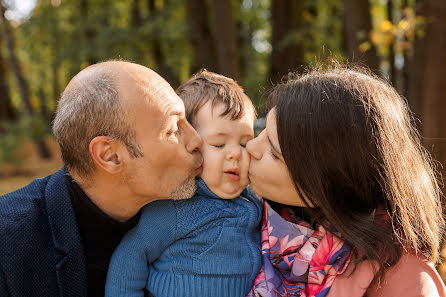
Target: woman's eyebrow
{"type": "Point", "coordinates": [273, 147]}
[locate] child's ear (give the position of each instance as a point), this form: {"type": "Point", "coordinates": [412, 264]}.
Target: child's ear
{"type": "Point", "coordinates": [106, 154]}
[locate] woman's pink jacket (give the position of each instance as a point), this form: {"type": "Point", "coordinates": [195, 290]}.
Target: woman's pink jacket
{"type": "Point", "coordinates": [410, 277]}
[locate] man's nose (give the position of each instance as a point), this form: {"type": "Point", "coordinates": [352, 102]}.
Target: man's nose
{"type": "Point", "coordinates": [194, 141]}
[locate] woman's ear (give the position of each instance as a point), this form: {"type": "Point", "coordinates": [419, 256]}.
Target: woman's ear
{"type": "Point", "coordinates": [106, 154]}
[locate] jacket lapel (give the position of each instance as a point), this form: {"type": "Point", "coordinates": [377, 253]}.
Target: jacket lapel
{"type": "Point", "coordinates": [70, 268]}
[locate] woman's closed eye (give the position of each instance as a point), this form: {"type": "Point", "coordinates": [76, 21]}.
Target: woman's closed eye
{"type": "Point", "coordinates": [218, 145]}
{"type": "Point", "coordinates": [274, 155]}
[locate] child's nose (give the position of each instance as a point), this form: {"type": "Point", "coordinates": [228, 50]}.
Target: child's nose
{"type": "Point", "coordinates": [235, 153]}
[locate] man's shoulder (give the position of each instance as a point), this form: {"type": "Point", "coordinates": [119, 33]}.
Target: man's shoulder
{"type": "Point", "coordinates": [18, 207]}
{"type": "Point", "coordinates": [23, 200]}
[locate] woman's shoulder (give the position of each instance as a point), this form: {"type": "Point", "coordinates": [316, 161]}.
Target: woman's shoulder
{"type": "Point", "coordinates": [411, 276]}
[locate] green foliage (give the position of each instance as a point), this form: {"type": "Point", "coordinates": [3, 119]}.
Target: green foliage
{"type": "Point", "coordinates": [12, 137]}
{"type": "Point", "coordinates": [60, 38]}
{"type": "Point", "coordinates": [255, 30]}
{"type": "Point", "coordinates": [322, 34]}
{"type": "Point", "coordinates": [14, 134]}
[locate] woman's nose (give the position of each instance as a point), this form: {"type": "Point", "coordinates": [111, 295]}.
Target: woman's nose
{"type": "Point", "coordinates": [253, 147]}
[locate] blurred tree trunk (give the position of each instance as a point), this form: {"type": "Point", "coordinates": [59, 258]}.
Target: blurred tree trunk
{"type": "Point", "coordinates": [135, 14]}
{"type": "Point", "coordinates": [225, 39]}
{"type": "Point", "coordinates": [21, 82]}
{"type": "Point", "coordinates": [357, 26]}
{"type": "Point", "coordinates": [287, 54]}
{"type": "Point", "coordinates": [7, 112]}
{"type": "Point", "coordinates": [14, 63]}
{"type": "Point", "coordinates": [162, 67]}
{"type": "Point", "coordinates": [200, 35]}
{"type": "Point", "coordinates": [392, 68]}
{"type": "Point", "coordinates": [55, 64]}
{"type": "Point", "coordinates": [55, 86]}
{"type": "Point", "coordinates": [405, 72]}
{"type": "Point", "coordinates": [244, 40]}
{"type": "Point", "coordinates": [427, 87]}
{"type": "Point", "coordinates": [397, 73]}
{"type": "Point", "coordinates": [136, 23]}
{"type": "Point", "coordinates": [87, 33]}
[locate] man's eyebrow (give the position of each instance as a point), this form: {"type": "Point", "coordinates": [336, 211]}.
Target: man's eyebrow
{"type": "Point", "coordinates": [176, 112]}
{"type": "Point", "coordinates": [273, 147]}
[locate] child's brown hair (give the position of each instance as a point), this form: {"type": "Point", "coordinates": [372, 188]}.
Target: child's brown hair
{"type": "Point", "coordinates": [206, 86]}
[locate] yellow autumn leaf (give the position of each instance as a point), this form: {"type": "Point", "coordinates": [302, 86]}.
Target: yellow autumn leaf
{"type": "Point", "coordinates": [387, 40]}
{"type": "Point", "coordinates": [386, 26]}
{"type": "Point", "coordinates": [34, 102]}
{"type": "Point", "coordinates": [363, 47]}
{"type": "Point", "coordinates": [307, 16]}
{"type": "Point", "coordinates": [374, 38]}
{"type": "Point", "coordinates": [420, 20]}
{"type": "Point", "coordinates": [403, 25]}
{"type": "Point", "coordinates": [407, 11]}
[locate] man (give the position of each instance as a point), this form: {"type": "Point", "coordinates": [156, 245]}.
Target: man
{"type": "Point", "coordinates": [125, 142]}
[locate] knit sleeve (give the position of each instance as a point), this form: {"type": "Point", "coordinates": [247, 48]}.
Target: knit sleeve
{"type": "Point", "coordinates": [128, 271]}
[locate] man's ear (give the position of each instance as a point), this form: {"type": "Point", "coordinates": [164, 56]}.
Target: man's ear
{"type": "Point", "coordinates": [106, 153]}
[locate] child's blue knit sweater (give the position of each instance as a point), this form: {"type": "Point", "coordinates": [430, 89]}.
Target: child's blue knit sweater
{"type": "Point", "coordinates": [198, 247]}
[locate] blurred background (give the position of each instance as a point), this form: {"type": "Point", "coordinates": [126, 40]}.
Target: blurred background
{"type": "Point", "coordinates": [44, 43]}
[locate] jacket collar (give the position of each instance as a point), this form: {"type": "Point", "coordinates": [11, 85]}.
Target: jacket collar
{"type": "Point", "coordinates": [70, 268]}
{"type": "Point", "coordinates": [203, 190]}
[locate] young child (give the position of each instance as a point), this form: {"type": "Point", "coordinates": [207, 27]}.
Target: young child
{"type": "Point", "coordinates": [208, 245]}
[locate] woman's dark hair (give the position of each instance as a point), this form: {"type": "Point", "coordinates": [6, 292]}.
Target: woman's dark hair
{"type": "Point", "coordinates": [350, 146]}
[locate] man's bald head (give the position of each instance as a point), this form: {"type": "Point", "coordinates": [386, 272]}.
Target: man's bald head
{"type": "Point", "coordinates": [120, 73]}
{"type": "Point", "coordinates": [94, 104]}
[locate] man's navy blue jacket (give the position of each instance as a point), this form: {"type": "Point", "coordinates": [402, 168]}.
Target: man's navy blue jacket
{"type": "Point", "coordinates": [41, 254]}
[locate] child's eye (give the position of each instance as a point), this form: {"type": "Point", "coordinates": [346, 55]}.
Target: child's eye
{"type": "Point", "coordinates": [219, 145]}
{"type": "Point", "coordinates": [243, 144]}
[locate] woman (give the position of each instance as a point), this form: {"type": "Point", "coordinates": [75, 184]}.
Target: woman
{"type": "Point", "coordinates": [340, 153]}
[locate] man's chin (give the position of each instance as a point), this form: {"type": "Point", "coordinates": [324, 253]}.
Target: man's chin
{"type": "Point", "coordinates": [184, 191]}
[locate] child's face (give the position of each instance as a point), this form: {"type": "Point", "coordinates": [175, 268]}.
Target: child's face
{"type": "Point", "coordinates": [225, 159]}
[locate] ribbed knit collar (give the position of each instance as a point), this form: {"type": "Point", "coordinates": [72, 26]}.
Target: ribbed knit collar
{"type": "Point", "coordinates": [203, 190]}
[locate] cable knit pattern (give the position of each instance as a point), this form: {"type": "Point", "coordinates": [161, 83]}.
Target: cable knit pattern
{"type": "Point", "coordinates": [203, 246]}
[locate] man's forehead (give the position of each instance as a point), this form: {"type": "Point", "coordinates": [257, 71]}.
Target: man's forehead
{"type": "Point", "coordinates": [150, 87]}
{"type": "Point", "coordinates": [168, 100]}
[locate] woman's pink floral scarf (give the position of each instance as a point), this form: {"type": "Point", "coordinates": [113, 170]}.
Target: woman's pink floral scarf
{"type": "Point", "coordinates": [297, 260]}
